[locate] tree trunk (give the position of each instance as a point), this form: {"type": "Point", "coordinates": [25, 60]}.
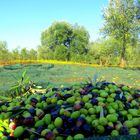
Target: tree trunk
{"type": "Point", "coordinates": [68, 55]}
{"type": "Point", "coordinates": [123, 60]}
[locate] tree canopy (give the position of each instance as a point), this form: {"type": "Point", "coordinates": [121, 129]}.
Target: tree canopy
{"type": "Point", "coordinates": [73, 38]}
{"type": "Point", "coordinates": [4, 53]}
{"type": "Point", "coordinates": [121, 22]}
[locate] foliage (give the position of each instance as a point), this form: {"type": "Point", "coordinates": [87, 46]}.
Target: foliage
{"type": "Point", "coordinates": [4, 53]}
{"type": "Point", "coordinates": [105, 51]}
{"type": "Point", "coordinates": [43, 52]}
{"type": "Point", "coordinates": [24, 54]}
{"type": "Point", "coordinates": [133, 55]}
{"type": "Point", "coordinates": [62, 35]}
{"type": "Point", "coordinates": [21, 87]}
{"type": "Point", "coordinates": [32, 54]}
{"type": "Point", "coordinates": [79, 41]}
{"type": "Point", "coordinates": [121, 22]}
{"type": "Point", "coordinates": [77, 57]}
{"type": "Point", "coordinates": [66, 42]}
{"type": "Point", "coordinates": [61, 53]}
{"type": "Point", "coordinates": [15, 54]}
{"type": "Point", "coordinates": [4, 98]}
{"type": "Point", "coordinates": [59, 33]}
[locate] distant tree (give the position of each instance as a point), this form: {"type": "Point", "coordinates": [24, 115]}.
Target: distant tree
{"type": "Point", "coordinates": [15, 54]}
{"type": "Point", "coordinates": [33, 54]}
{"type": "Point", "coordinates": [24, 54]}
{"type": "Point", "coordinates": [4, 52]}
{"type": "Point", "coordinates": [73, 38]}
{"type": "Point", "coordinates": [121, 23]}
{"type": "Point", "coordinates": [59, 33]}
{"type": "Point", "coordinates": [105, 51]}
{"type": "Point", "coordinates": [80, 40]}
{"type": "Point", "coordinates": [109, 51]}
{"type": "Point", "coordinates": [44, 53]}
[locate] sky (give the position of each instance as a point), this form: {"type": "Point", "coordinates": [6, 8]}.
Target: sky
{"type": "Point", "coordinates": [23, 21]}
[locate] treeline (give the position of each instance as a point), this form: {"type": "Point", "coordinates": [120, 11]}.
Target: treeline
{"type": "Point", "coordinates": [16, 54]}
{"type": "Point", "coordinates": [120, 44]}
{"type": "Point", "coordinates": [103, 52]}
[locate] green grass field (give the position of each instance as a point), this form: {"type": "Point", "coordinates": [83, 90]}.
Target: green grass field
{"type": "Point", "coordinates": [66, 74]}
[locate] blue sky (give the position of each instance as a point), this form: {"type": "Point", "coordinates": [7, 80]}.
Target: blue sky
{"type": "Point", "coordinates": [22, 21]}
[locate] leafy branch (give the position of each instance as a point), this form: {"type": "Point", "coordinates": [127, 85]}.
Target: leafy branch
{"type": "Point", "coordinates": [23, 85]}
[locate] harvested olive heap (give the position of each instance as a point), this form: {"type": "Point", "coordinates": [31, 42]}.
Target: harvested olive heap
{"type": "Point", "coordinates": [76, 112]}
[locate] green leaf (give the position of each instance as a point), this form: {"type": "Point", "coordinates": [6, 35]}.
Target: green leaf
{"type": "Point", "coordinates": [14, 87]}
{"type": "Point", "coordinates": [23, 74]}
{"type": "Point", "coordinates": [3, 98]}
{"type": "Point", "coordinates": [26, 80]}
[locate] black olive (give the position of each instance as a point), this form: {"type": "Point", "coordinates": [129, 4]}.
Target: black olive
{"type": "Point", "coordinates": [127, 105]}
{"type": "Point", "coordinates": [39, 129]}
{"type": "Point", "coordinates": [67, 131]}
{"type": "Point", "coordinates": [108, 129]}
{"type": "Point", "coordinates": [34, 100]}
{"type": "Point", "coordinates": [55, 89]}
{"type": "Point", "coordinates": [117, 97]}
{"type": "Point", "coordinates": [32, 111]}
{"type": "Point", "coordinates": [94, 101]}
{"type": "Point", "coordinates": [118, 91]}
{"type": "Point", "coordinates": [43, 98]}
{"type": "Point", "coordinates": [67, 96]}
{"type": "Point", "coordinates": [123, 130]}
{"type": "Point", "coordinates": [54, 114]}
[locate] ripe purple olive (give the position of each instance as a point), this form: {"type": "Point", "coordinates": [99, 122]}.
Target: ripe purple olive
{"type": "Point", "coordinates": [29, 121]}
{"type": "Point", "coordinates": [80, 121]}
{"type": "Point", "coordinates": [82, 91]}
{"type": "Point", "coordinates": [77, 107]}
{"type": "Point", "coordinates": [49, 136]}
{"type": "Point", "coordinates": [34, 100]}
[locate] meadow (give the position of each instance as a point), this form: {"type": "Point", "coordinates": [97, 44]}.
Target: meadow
{"type": "Point", "coordinates": [63, 74]}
